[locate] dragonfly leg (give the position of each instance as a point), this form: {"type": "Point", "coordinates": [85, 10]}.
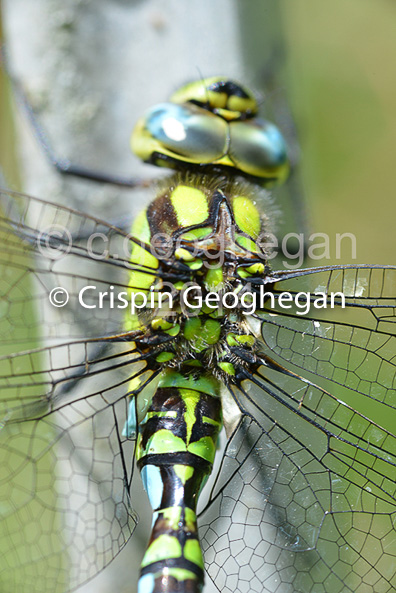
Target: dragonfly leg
{"type": "Point", "coordinates": [63, 166]}
{"type": "Point", "coordinates": [176, 449]}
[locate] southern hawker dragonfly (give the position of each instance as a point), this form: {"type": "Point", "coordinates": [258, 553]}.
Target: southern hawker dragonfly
{"type": "Point", "coordinates": [284, 395]}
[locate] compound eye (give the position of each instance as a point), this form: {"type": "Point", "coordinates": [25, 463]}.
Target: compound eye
{"type": "Point", "coordinates": [257, 148]}
{"type": "Point", "coordinates": [182, 132]}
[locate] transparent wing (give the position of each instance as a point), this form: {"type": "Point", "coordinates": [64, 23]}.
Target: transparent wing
{"type": "Point", "coordinates": [304, 499]}
{"type": "Point", "coordinates": [352, 346]}
{"type": "Point", "coordinates": [64, 488]}
{"type": "Point", "coordinates": [66, 469]}
{"type": "Point", "coordinates": [45, 246]}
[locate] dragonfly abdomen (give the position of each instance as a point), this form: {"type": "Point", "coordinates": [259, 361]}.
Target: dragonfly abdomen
{"type": "Point", "coordinates": [176, 449]}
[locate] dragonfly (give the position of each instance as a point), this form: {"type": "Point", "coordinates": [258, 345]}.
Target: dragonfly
{"type": "Point", "coordinates": [261, 424]}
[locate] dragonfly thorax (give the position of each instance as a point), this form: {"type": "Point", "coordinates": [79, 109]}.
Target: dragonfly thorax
{"type": "Point", "coordinates": [201, 240]}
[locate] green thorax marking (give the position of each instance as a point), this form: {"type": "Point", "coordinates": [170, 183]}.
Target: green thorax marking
{"type": "Point", "coordinates": [198, 209]}
{"type": "Point", "coordinates": [211, 229]}
{"type": "Point", "coordinates": [202, 334]}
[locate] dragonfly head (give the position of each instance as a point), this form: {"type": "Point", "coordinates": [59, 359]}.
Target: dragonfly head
{"type": "Point", "coordinates": [212, 124]}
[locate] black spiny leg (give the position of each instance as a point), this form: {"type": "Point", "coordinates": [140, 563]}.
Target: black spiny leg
{"type": "Point", "coordinates": [63, 166]}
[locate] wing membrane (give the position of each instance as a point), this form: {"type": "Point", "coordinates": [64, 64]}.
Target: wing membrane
{"type": "Point", "coordinates": [304, 499]}
{"type": "Point", "coordinates": [353, 347]}
{"type": "Point", "coordinates": [66, 469]}
{"type": "Point", "coordinates": [44, 246]}
{"type": "Point", "coordinates": [300, 502]}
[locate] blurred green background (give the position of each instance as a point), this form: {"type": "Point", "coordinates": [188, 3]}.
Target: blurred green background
{"type": "Point", "coordinates": [341, 65]}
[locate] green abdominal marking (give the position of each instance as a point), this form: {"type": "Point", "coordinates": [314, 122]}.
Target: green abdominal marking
{"type": "Point", "coordinates": [175, 452]}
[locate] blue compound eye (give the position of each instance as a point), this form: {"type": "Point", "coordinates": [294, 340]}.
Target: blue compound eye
{"type": "Point", "coordinates": [182, 132]}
